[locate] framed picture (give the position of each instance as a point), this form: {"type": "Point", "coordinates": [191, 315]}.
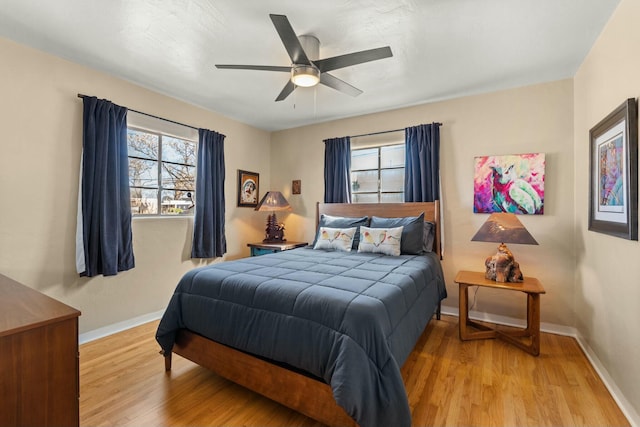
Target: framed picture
{"type": "Point", "coordinates": [296, 186]}
{"type": "Point", "coordinates": [248, 189]}
{"type": "Point", "coordinates": [510, 183]}
{"type": "Point", "coordinates": [613, 173]}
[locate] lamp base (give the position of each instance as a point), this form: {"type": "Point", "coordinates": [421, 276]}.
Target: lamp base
{"type": "Point", "coordinates": [274, 232]}
{"type": "Point", "coordinates": [502, 267]}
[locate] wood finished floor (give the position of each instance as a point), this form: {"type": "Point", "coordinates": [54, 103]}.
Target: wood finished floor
{"type": "Point", "coordinates": [449, 383]}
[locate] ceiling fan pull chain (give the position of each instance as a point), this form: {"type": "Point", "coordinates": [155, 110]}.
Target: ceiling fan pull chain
{"type": "Point", "coordinates": [315, 101]}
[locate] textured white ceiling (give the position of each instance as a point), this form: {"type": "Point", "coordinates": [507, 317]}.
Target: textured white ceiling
{"type": "Point", "coordinates": [441, 48]}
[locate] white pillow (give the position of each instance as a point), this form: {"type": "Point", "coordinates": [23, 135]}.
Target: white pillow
{"type": "Point", "coordinates": [335, 238]}
{"type": "Point", "coordinates": [380, 240]}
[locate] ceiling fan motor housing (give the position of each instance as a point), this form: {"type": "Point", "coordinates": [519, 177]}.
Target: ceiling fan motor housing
{"type": "Point", "coordinates": [311, 46]}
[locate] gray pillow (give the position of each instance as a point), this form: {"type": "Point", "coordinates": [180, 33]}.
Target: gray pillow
{"type": "Point", "coordinates": [429, 236]}
{"type": "Point", "coordinates": [343, 222]}
{"type": "Point", "coordinates": [412, 240]}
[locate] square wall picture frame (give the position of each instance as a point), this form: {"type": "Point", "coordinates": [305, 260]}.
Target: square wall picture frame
{"type": "Point", "coordinates": [509, 183]}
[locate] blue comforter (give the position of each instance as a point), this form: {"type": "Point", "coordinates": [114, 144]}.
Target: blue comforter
{"type": "Point", "coordinates": [351, 319]}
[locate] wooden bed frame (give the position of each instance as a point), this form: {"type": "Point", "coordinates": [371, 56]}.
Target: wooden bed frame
{"type": "Point", "coordinates": [297, 391]}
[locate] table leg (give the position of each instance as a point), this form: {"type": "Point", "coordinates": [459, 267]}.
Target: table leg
{"type": "Point", "coordinates": [463, 308]}
{"type": "Point", "coordinates": [531, 332]}
{"type": "Point", "coordinates": [533, 322]}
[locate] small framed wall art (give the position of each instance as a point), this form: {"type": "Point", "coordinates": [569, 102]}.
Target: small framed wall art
{"type": "Point", "coordinates": [510, 183]}
{"type": "Point", "coordinates": [613, 173]}
{"type": "Point", "coordinates": [248, 189]}
{"type": "Point", "coordinates": [296, 186]}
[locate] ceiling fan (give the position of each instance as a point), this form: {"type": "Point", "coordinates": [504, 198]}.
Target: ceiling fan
{"type": "Point", "coordinates": [306, 69]}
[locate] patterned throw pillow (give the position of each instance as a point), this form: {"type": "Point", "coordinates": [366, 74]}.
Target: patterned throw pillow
{"type": "Point", "coordinates": [342, 222]}
{"type": "Point", "coordinates": [380, 240]}
{"type": "Point", "coordinates": [335, 238]}
{"type": "Point", "coordinates": [412, 233]}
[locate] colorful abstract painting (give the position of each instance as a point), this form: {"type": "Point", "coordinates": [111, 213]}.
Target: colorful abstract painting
{"type": "Point", "coordinates": [512, 183]}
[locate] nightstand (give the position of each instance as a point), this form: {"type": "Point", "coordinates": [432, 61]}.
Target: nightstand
{"type": "Point", "coordinates": [262, 248]}
{"type": "Point", "coordinates": [530, 286]}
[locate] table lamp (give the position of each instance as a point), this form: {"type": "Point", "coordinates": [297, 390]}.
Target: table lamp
{"type": "Point", "coordinates": [271, 202]}
{"type": "Point", "coordinates": [503, 228]}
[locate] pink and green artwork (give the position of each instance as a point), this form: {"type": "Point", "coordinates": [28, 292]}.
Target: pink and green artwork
{"type": "Point", "coordinates": [512, 183]}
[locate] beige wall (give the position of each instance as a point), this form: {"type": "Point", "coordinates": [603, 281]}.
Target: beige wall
{"type": "Point", "coordinates": [531, 119]}
{"type": "Point", "coordinates": [608, 268]}
{"type": "Point", "coordinates": [41, 143]}
{"type": "Point", "coordinates": [591, 279]}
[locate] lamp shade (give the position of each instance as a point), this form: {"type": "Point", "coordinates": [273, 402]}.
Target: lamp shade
{"type": "Point", "coordinates": [273, 201]}
{"type": "Point", "coordinates": [504, 228]}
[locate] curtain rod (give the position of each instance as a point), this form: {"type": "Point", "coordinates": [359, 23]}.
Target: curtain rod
{"type": "Point", "coordinates": [149, 115]}
{"type": "Point", "coordinates": [80, 95]}
{"type": "Point", "coordinates": [384, 131]}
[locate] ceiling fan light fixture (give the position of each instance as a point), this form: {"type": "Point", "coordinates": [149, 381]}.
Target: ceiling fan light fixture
{"type": "Point", "coordinates": [305, 75]}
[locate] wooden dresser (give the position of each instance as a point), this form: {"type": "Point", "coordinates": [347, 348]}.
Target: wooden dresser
{"type": "Point", "coordinates": [39, 376]}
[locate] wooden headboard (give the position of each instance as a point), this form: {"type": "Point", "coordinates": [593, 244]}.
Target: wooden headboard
{"type": "Point", "coordinates": [386, 210]}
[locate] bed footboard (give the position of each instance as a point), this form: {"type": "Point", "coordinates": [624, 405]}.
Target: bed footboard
{"type": "Point", "coordinates": [306, 395]}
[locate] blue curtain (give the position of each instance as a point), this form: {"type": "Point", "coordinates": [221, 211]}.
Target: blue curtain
{"type": "Point", "coordinates": [104, 217]}
{"type": "Point", "coordinates": [422, 163]}
{"type": "Point", "coordinates": [209, 240]}
{"type": "Point", "coordinates": [337, 170]}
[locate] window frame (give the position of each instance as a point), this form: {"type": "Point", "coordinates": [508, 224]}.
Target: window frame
{"type": "Point", "coordinates": [160, 188]}
{"type": "Point", "coordinates": [379, 169]}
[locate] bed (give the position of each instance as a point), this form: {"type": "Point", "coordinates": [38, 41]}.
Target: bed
{"type": "Point", "coordinates": [323, 332]}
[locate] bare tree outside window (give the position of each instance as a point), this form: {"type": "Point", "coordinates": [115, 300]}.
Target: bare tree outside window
{"type": "Point", "coordinates": [161, 173]}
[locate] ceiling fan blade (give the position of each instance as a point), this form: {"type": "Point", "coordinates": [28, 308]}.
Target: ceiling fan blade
{"type": "Point", "coordinates": [254, 67]}
{"type": "Point", "coordinates": [289, 39]}
{"type": "Point", "coordinates": [286, 91]}
{"type": "Point", "coordinates": [340, 85]}
{"type": "Point", "coordinates": [341, 61]}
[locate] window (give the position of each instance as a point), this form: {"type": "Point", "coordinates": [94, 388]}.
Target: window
{"type": "Point", "coordinates": [162, 173]}
{"type": "Point", "coordinates": [377, 174]}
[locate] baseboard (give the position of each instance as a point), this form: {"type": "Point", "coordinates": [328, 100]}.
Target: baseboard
{"type": "Point", "coordinates": [119, 327]}
{"type": "Point", "coordinates": [624, 405]}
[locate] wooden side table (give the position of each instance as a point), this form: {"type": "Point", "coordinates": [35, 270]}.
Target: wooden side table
{"type": "Point", "coordinates": [262, 248]}
{"type": "Point", "coordinates": [531, 286]}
